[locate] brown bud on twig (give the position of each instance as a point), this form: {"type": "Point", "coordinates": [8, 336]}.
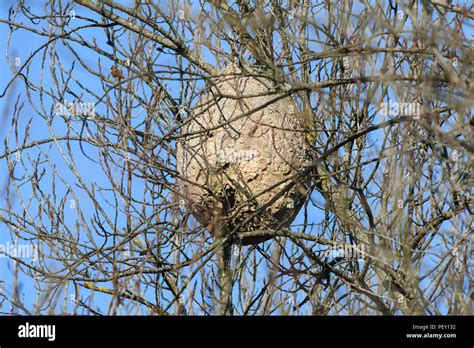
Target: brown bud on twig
{"type": "Point", "coordinates": [116, 72]}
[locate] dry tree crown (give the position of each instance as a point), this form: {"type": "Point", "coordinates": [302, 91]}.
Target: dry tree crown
{"type": "Point", "coordinates": [236, 158]}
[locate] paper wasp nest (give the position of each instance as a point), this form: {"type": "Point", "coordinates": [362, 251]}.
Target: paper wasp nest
{"type": "Point", "coordinates": [237, 152]}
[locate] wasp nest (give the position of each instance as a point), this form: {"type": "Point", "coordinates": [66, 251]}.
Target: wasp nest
{"type": "Point", "coordinates": [236, 156]}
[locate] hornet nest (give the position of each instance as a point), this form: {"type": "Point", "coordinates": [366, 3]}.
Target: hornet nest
{"type": "Point", "coordinates": [237, 155]}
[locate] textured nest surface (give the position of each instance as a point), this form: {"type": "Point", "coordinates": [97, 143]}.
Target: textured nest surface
{"type": "Point", "coordinates": [237, 153]}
